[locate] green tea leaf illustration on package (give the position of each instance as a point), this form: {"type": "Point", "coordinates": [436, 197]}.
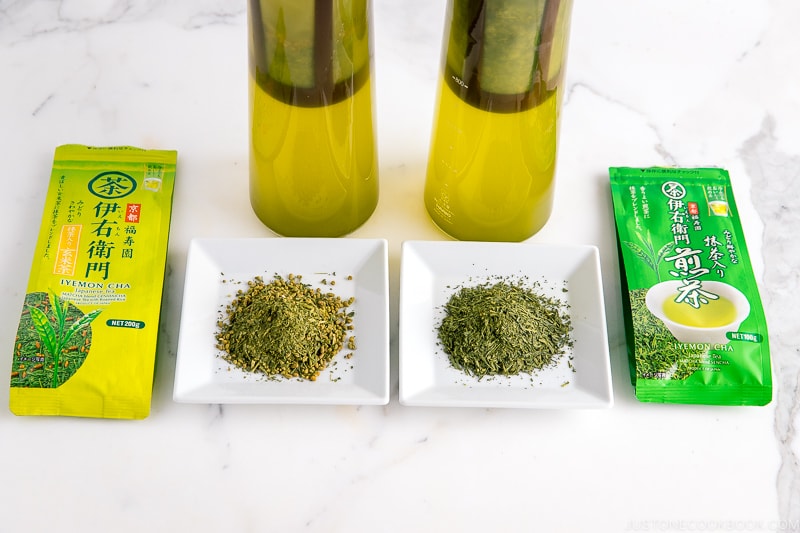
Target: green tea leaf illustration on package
{"type": "Point", "coordinates": [53, 340]}
{"type": "Point", "coordinates": [648, 254]}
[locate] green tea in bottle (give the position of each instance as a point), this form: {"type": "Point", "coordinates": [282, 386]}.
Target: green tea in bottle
{"type": "Point", "coordinates": [313, 160]}
{"type": "Point", "coordinates": [492, 158]}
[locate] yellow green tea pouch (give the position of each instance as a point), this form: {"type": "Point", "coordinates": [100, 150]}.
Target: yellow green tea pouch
{"type": "Point", "coordinates": [695, 324]}
{"type": "Point", "coordinates": [87, 334]}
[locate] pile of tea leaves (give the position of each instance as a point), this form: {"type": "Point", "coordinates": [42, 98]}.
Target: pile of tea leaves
{"type": "Point", "coordinates": [283, 328]}
{"type": "Point", "coordinates": [504, 328]}
{"type": "Point", "coordinates": [658, 354]}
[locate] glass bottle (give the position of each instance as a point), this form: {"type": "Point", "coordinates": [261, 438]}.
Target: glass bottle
{"type": "Point", "coordinates": [313, 159]}
{"type": "Point", "coordinates": [492, 158]}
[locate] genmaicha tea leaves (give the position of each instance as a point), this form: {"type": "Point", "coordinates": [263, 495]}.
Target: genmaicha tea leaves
{"type": "Point", "coordinates": [694, 322]}
{"type": "Point", "coordinates": [503, 328]}
{"type": "Point", "coordinates": [285, 328]}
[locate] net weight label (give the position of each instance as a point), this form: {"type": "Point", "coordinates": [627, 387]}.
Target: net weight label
{"type": "Point", "coordinates": [122, 323]}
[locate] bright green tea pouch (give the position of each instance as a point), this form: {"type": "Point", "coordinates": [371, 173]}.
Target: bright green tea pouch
{"type": "Point", "coordinates": [86, 340]}
{"type": "Point", "coordinates": [695, 325]}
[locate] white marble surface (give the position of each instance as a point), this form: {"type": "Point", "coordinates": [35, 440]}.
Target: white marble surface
{"type": "Point", "coordinates": [678, 82]}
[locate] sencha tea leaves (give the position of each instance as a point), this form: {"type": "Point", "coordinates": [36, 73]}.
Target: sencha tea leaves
{"type": "Point", "coordinates": [87, 333]}
{"type": "Point", "coordinates": [284, 328]}
{"type": "Point", "coordinates": [695, 324]}
{"type": "Point", "coordinates": [503, 329]}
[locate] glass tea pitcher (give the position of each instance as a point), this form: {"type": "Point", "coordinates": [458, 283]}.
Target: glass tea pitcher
{"type": "Point", "coordinates": [313, 159]}
{"type": "Point", "coordinates": [492, 157]}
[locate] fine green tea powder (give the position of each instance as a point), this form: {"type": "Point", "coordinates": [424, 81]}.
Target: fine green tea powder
{"type": "Point", "coordinates": [284, 328]}
{"type": "Point", "coordinates": [504, 329]}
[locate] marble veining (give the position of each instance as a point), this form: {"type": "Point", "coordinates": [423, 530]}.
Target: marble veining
{"type": "Point", "coordinates": [776, 195]}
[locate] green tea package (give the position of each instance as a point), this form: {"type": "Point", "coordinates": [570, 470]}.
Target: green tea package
{"type": "Point", "coordinates": [87, 334]}
{"type": "Point", "coordinates": [695, 326]}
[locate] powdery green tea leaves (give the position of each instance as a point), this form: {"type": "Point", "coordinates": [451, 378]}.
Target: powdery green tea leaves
{"type": "Point", "coordinates": [284, 328]}
{"type": "Point", "coordinates": [504, 329]}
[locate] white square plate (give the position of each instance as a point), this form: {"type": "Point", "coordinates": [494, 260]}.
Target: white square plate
{"type": "Point", "coordinates": [431, 272]}
{"type": "Point", "coordinates": [217, 268]}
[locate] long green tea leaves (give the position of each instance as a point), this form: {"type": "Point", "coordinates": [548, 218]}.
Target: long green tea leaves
{"type": "Point", "coordinates": [503, 329]}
